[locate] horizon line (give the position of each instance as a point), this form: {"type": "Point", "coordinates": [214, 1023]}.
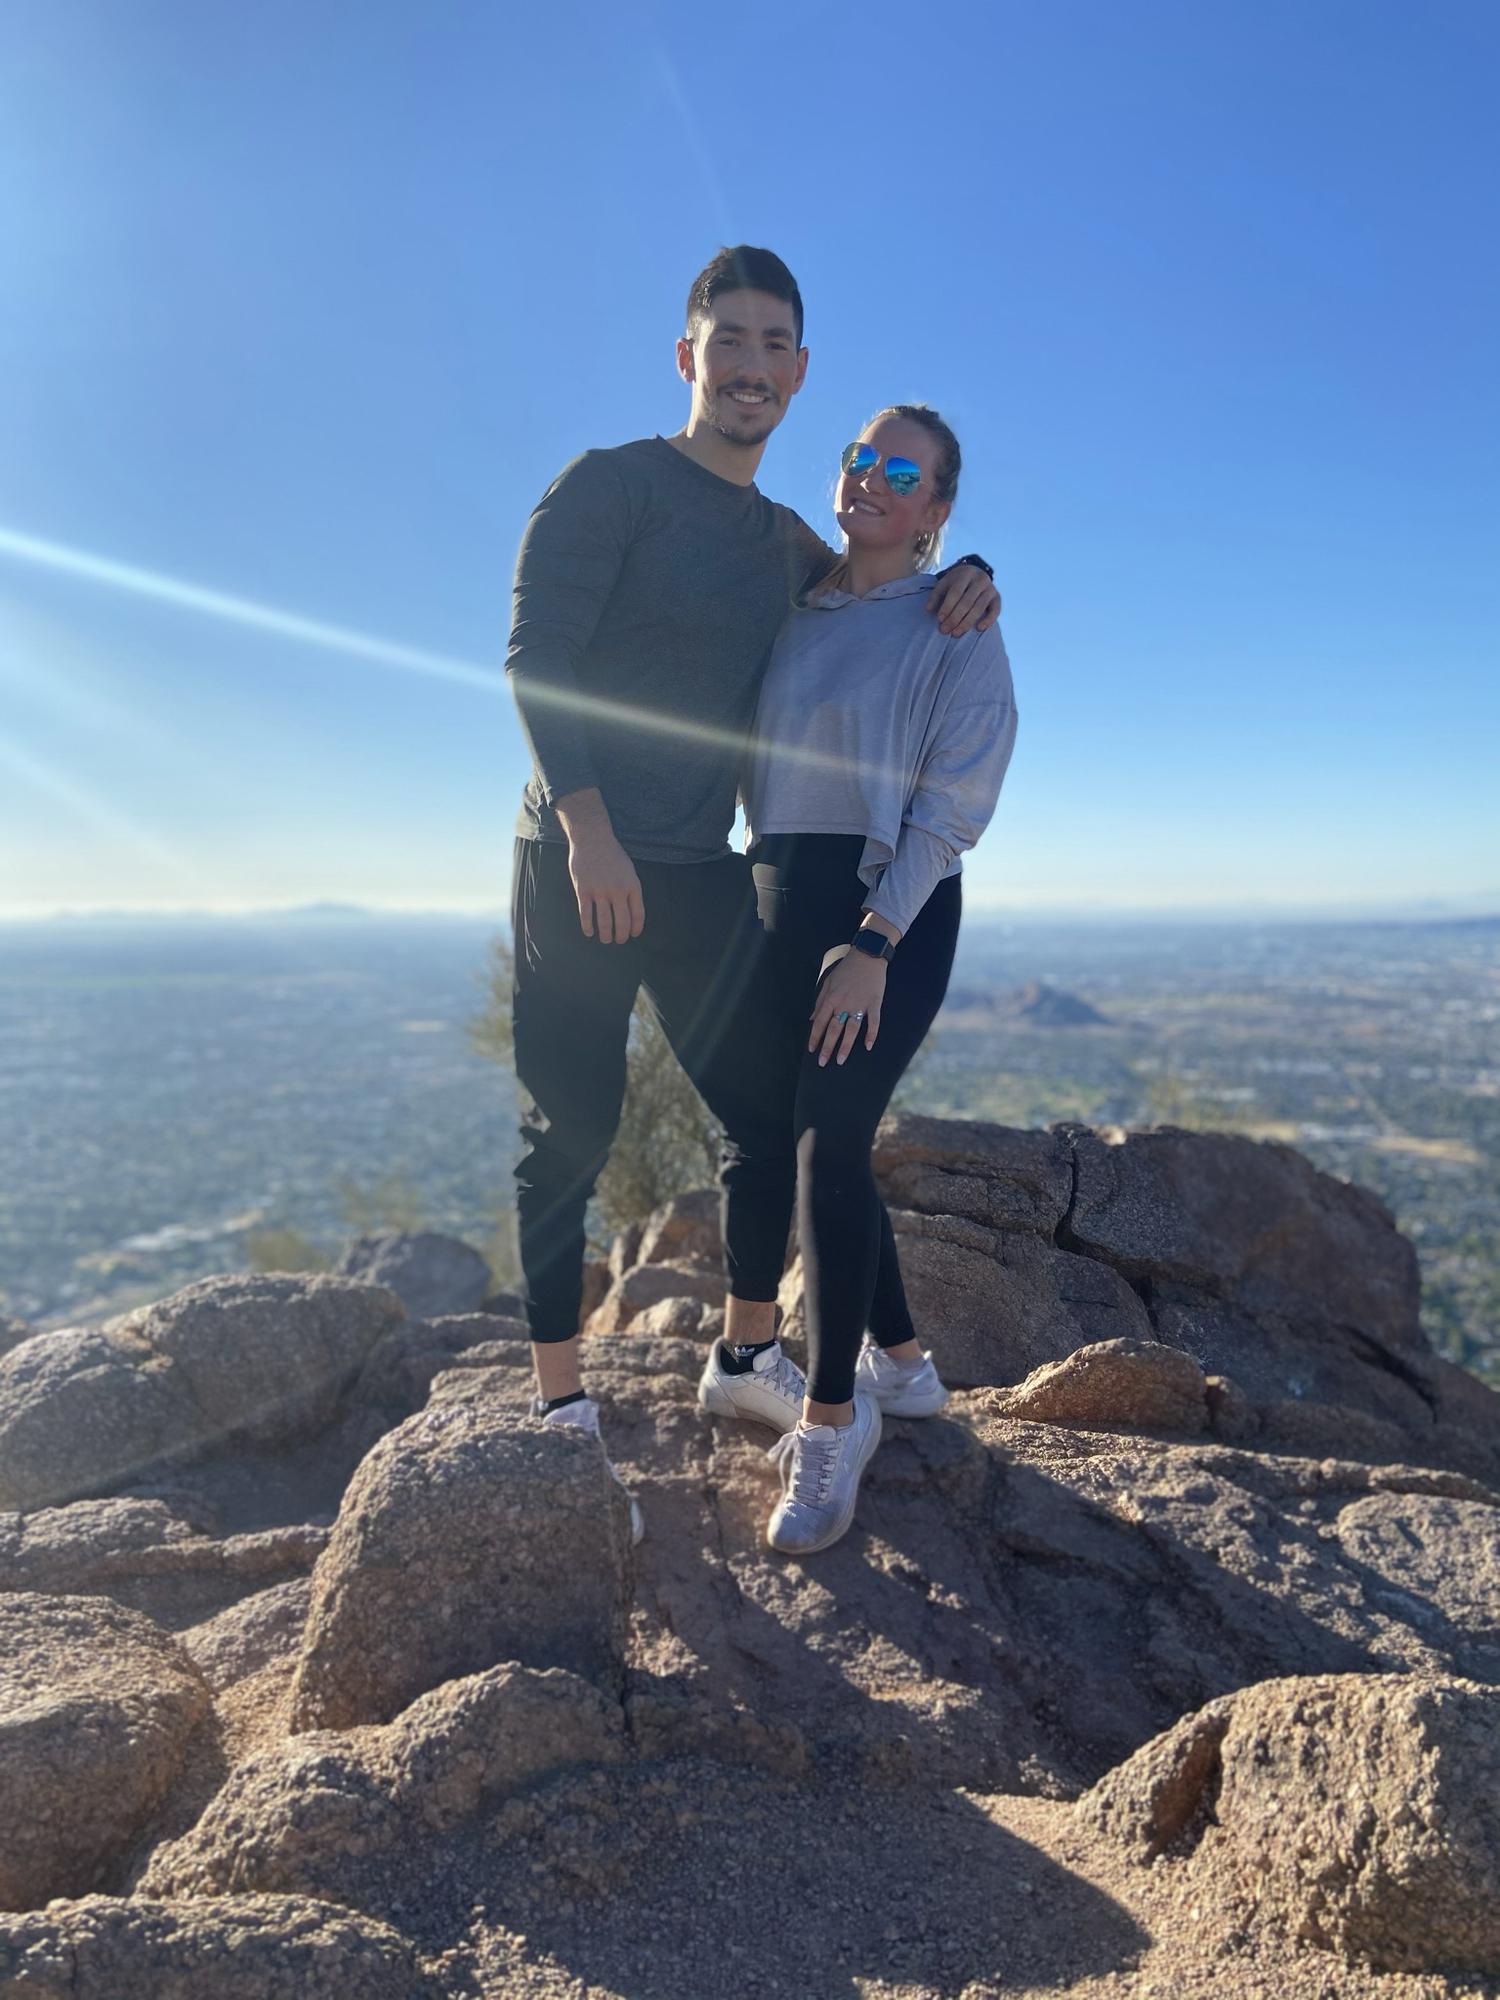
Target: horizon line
{"type": "Point", "coordinates": [1413, 910]}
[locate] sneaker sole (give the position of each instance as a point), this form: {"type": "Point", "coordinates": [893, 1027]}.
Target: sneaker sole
{"type": "Point", "coordinates": [918, 1406]}
{"type": "Point", "coordinates": [718, 1403]}
{"type": "Point", "coordinates": [836, 1534]}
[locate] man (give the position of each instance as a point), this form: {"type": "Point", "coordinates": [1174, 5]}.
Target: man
{"type": "Point", "coordinates": [651, 581]}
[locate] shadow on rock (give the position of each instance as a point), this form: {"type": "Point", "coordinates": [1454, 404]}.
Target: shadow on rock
{"type": "Point", "coordinates": [671, 1883]}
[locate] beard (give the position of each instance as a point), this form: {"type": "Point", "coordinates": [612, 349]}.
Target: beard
{"type": "Point", "coordinates": [740, 426]}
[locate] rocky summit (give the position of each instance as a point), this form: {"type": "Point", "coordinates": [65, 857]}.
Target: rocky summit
{"type": "Point", "coordinates": [1165, 1661]}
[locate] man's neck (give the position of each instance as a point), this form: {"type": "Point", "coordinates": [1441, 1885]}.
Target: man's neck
{"type": "Point", "coordinates": [737, 463]}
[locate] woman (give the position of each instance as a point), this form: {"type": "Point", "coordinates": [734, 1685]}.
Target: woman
{"type": "Point", "coordinates": [879, 752]}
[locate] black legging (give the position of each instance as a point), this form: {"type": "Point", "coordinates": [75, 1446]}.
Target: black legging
{"type": "Point", "coordinates": [810, 898]}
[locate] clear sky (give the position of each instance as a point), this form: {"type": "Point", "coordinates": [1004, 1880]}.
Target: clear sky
{"type": "Point", "coordinates": [303, 306]}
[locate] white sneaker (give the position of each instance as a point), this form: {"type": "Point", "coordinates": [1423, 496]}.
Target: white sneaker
{"type": "Point", "coordinates": [771, 1393]}
{"type": "Point", "coordinates": [584, 1416]}
{"type": "Point", "coordinates": [901, 1388]}
{"type": "Point", "coordinates": [820, 1466]}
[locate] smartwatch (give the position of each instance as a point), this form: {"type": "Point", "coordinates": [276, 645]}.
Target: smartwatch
{"type": "Point", "coordinates": [872, 944]}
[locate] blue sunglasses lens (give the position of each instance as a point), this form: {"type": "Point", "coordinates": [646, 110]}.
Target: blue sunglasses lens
{"type": "Point", "coordinates": [901, 475]}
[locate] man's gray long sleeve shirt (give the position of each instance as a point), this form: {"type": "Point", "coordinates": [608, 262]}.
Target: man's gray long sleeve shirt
{"type": "Point", "coordinates": [648, 595]}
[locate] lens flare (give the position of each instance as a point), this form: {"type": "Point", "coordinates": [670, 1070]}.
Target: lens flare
{"type": "Point", "coordinates": [238, 610]}
{"type": "Point", "coordinates": [28, 769]}
{"type": "Point", "coordinates": [171, 590]}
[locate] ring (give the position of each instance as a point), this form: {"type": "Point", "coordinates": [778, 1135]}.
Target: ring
{"type": "Point", "coordinates": [859, 1017]}
{"type": "Point", "coordinates": [844, 1016]}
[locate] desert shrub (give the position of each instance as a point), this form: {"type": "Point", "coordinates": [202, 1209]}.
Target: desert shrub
{"type": "Point", "coordinates": [668, 1139]}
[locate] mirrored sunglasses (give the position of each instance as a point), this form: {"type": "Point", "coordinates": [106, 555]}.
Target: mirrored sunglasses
{"type": "Point", "coordinates": [901, 474]}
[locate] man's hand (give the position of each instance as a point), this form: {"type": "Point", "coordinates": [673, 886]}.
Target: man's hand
{"type": "Point", "coordinates": [964, 600]}
{"type": "Point", "coordinates": [610, 904]}
{"type": "Point", "coordinates": [608, 890]}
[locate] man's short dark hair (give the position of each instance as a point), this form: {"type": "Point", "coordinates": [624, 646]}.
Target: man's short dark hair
{"type": "Point", "coordinates": [742, 269]}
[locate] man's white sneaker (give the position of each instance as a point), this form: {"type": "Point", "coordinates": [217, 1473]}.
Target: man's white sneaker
{"type": "Point", "coordinates": [820, 1465]}
{"type": "Point", "coordinates": [770, 1392]}
{"type": "Point", "coordinates": [901, 1388]}
{"type": "Point", "coordinates": [584, 1416]}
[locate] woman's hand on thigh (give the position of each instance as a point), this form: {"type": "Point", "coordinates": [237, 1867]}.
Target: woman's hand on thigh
{"type": "Point", "coordinates": [849, 1001]}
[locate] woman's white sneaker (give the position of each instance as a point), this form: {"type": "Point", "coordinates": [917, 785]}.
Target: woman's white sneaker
{"type": "Point", "coordinates": [584, 1416]}
{"type": "Point", "coordinates": [901, 1388]}
{"type": "Point", "coordinates": [820, 1465]}
{"type": "Point", "coordinates": [769, 1392]}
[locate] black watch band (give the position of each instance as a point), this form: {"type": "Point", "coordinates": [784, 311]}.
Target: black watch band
{"type": "Point", "coordinates": [976, 562]}
{"type": "Point", "coordinates": [872, 944]}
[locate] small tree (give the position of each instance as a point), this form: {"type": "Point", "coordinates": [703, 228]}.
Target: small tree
{"type": "Point", "coordinates": [502, 1253]}
{"type": "Point", "coordinates": [391, 1202]}
{"type": "Point", "coordinates": [668, 1139]}
{"type": "Point", "coordinates": [279, 1247]}
{"type": "Point", "coordinates": [490, 1031]}
{"type": "Point", "coordinates": [1169, 1099]}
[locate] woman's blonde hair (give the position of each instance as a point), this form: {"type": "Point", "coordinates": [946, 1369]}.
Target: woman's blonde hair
{"type": "Point", "coordinates": [950, 464]}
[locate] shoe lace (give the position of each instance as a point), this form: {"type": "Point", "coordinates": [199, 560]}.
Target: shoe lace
{"type": "Point", "coordinates": [813, 1461]}
{"type": "Point", "coordinates": [786, 1379]}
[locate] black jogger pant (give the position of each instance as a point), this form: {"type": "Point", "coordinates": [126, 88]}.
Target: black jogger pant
{"type": "Point", "coordinates": [810, 898]}
{"type": "Point", "coordinates": [699, 958]}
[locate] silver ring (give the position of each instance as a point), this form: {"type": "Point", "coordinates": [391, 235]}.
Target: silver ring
{"type": "Point", "coordinates": [858, 1017]}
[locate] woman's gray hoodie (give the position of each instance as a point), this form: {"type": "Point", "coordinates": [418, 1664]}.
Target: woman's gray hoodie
{"type": "Point", "coordinates": [872, 722]}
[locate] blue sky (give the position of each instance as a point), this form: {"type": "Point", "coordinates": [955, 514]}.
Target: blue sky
{"type": "Point", "coordinates": [304, 306]}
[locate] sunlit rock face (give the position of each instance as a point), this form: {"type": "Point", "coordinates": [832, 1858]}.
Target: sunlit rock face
{"type": "Point", "coordinates": [468, 1536]}
{"type": "Point", "coordinates": [226, 1363]}
{"type": "Point", "coordinates": [1362, 1809]}
{"type": "Point", "coordinates": [1199, 1561]}
{"type": "Point", "coordinates": [97, 1709]}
